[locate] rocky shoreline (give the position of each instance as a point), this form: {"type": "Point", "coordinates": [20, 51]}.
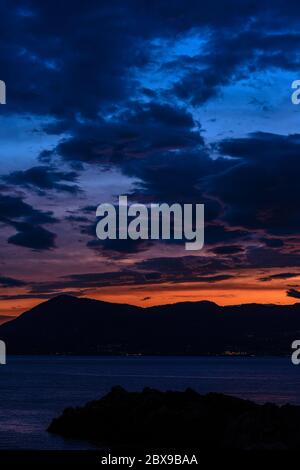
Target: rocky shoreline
{"type": "Point", "coordinates": [152, 418]}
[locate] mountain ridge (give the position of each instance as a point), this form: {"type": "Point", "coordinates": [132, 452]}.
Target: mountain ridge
{"type": "Point", "coordinates": [70, 325]}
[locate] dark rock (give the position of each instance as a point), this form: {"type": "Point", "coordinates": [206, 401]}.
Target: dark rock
{"type": "Point", "coordinates": [182, 420]}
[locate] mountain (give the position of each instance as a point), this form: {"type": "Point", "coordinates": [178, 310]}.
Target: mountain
{"type": "Point", "coordinates": [70, 325]}
{"type": "Point", "coordinates": [5, 318]}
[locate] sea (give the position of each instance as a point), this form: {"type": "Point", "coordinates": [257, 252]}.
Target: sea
{"type": "Point", "coordinates": [35, 389]}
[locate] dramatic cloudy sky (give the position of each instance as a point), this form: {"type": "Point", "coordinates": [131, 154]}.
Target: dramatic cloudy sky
{"type": "Point", "coordinates": [182, 101]}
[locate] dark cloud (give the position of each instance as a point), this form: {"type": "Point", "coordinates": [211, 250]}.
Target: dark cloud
{"type": "Point", "coordinates": [55, 54]}
{"type": "Point", "coordinates": [189, 268]}
{"type": "Point", "coordinates": [139, 131]}
{"type": "Point", "coordinates": [43, 178]}
{"type": "Point", "coordinates": [89, 60]}
{"type": "Point", "coordinates": [176, 178]}
{"type": "Point", "coordinates": [151, 271]}
{"type": "Point", "coordinates": [217, 233]}
{"type": "Point", "coordinates": [32, 236]}
{"type": "Point", "coordinates": [11, 282]}
{"type": "Point", "coordinates": [158, 146]}
{"type": "Point", "coordinates": [95, 280]}
{"type": "Point", "coordinates": [279, 276]}
{"type": "Point", "coordinates": [263, 146]}
{"type": "Point", "coordinates": [217, 278]}
{"type": "Point", "coordinates": [262, 190]}
{"type": "Point", "coordinates": [257, 257]}
{"type": "Point", "coordinates": [232, 55]}
{"type": "Point", "coordinates": [72, 64]}
{"type": "Point", "coordinates": [118, 248]}
{"type": "Point", "coordinates": [227, 249]}
{"type": "Point", "coordinates": [13, 207]}
{"type": "Point", "coordinates": [84, 60]}
{"type": "Point", "coordinates": [27, 221]}
{"type": "Point", "coordinates": [272, 242]}
{"type": "Point", "coordinates": [77, 218]}
{"type": "Point", "coordinates": [293, 293]}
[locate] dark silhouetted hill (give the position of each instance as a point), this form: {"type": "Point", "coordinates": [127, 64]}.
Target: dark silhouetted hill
{"type": "Point", "coordinates": [70, 325]}
{"type": "Point", "coordinates": [154, 419]}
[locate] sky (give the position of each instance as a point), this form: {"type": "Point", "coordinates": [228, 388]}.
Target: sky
{"type": "Point", "coordinates": [181, 101]}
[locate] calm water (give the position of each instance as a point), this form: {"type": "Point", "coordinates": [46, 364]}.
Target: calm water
{"type": "Point", "coordinates": [35, 389]}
